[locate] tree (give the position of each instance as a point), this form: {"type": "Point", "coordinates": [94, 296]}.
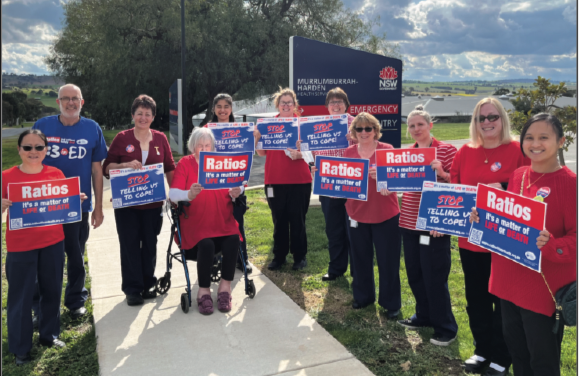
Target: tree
{"type": "Point", "coordinates": [501, 91]}
{"type": "Point", "coordinates": [426, 89]}
{"type": "Point", "coordinates": [530, 102]}
{"type": "Point", "coordinates": [118, 49]}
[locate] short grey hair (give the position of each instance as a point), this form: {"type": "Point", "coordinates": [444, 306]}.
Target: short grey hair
{"type": "Point", "coordinates": [199, 134]}
{"type": "Point", "coordinates": [70, 85]}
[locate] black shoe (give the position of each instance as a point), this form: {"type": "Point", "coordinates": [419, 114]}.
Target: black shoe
{"type": "Point", "coordinates": [393, 314]}
{"type": "Point", "coordinates": [21, 360]}
{"type": "Point", "coordinates": [34, 322]}
{"type": "Point", "coordinates": [75, 314]}
{"type": "Point", "coordinates": [240, 266]}
{"type": "Point", "coordinates": [55, 343]}
{"type": "Point", "coordinates": [329, 277]}
{"type": "Point", "coordinates": [410, 324]}
{"type": "Point", "coordinates": [472, 365]}
{"type": "Point", "coordinates": [493, 372]}
{"type": "Point", "coordinates": [441, 340]}
{"type": "Point", "coordinates": [276, 265]}
{"type": "Point", "coordinates": [134, 300]}
{"type": "Point", "coordinates": [357, 305]}
{"type": "Point", "coordinates": [148, 294]}
{"type": "Point", "coordinates": [299, 265]}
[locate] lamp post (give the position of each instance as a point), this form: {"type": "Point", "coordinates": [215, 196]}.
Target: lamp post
{"type": "Point", "coordinates": [185, 119]}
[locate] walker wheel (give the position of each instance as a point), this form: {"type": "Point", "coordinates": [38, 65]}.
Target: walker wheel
{"type": "Point", "coordinates": [251, 289]}
{"type": "Point", "coordinates": [216, 271]}
{"type": "Point", "coordinates": [184, 303]}
{"type": "Point", "coordinates": [162, 286]}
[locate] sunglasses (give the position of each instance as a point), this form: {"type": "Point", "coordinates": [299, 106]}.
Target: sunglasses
{"type": "Point", "coordinates": [490, 118]}
{"type": "Point", "coordinates": [366, 129]}
{"type": "Point", "coordinates": [29, 148]}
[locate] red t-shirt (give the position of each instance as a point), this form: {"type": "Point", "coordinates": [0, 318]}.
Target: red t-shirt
{"type": "Point", "coordinates": [469, 168]}
{"type": "Point", "coordinates": [377, 208]}
{"type": "Point", "coordinates": [411, 200]}
{"type": "Point", "coordinates": [211, 213]}
{"type": "Point", "coordinates": [525, 287]}
{"type": "Point", "coordinates": [28, 239]}
{"type": "Point", "coordinates": [126, 148]}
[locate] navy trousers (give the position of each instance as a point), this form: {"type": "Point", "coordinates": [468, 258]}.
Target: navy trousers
{"type": "Point", "coordinates": [428, 268]}
{"type": "Point", "coordinates": [138, 230]}
{"type": "Point", "coordinates": [386, 238]}
{"type": "Point", "coordinates": [337, 233]}
{"type": "Point", "coordinates": [239, 211]}
{"type": "Point", "coordinates": [23, 269]}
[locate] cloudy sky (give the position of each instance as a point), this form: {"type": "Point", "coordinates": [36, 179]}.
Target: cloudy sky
{"type": "Point", "coordinates": [440, 40]}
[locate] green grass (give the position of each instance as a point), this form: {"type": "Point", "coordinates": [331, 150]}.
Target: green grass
{"type": "Point", "coordinates": [441, 131]}
{"type": "Point", "coordinates": [44, 99]}
{"type": "Point", "coordinates": [381, 345]}
{"type": "Point", "coordinates": [79, 358]}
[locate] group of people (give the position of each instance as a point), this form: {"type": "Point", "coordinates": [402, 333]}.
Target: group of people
{"type": "Point", "coordinates": [510, 309]}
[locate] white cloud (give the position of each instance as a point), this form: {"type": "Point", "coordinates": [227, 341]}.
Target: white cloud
{"type": "Point", "coordinates": [24, 58]}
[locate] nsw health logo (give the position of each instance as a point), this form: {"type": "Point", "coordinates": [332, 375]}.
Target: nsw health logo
{"type": "Point", "coordinates": [388, 80]}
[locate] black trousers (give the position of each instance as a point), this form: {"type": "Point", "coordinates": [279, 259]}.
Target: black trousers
{"type": "Point", "coordinates": [23, 269]}
{"type": "Point", "coordinates": [337, 233]}
{"type": "Point", "coordinates": [428, 269]}
{"type": "Point", "coordinates": [289, 207]}
{"type": "Point", "coordinates": [386, 238]}
{"type": "Point", "coordinates": [239, 211]}
{"type": "Point", "coordinates": [483, 308]}
{"type": "Point", "coordinates": [138, 230]}
{"type": "Point", "coordinates": [535, 350]}
{"type": "Point", "coordinates": [207, 248]}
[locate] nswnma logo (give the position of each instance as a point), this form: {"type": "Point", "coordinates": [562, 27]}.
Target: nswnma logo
{"type": "Point", "coordinates": [388, 80]}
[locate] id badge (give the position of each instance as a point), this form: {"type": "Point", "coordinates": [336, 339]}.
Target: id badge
{"type": "Point", "coordinates": [353, 223]}
{"type": "Point", "coordinates": [425, 240]}
{"type": "Point", "coordinates": [270, 192]}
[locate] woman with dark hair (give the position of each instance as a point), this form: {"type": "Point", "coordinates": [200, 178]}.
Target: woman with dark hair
{"type": "Point", "coordinates": [222, 113]}
{"type": "Point", "coordinates": [33, 254]}
{"type": "Point", "coordinates": [138, 226]}
{"type": "Point", "coordinates": [527, 305]}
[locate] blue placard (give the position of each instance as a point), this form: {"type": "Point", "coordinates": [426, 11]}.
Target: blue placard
{"type": "Point", "coordinates": [233, 137]}
{"type": "Point", "coordinates": [131, 187]}
{"type": "Point", "coordinates": [224, 170]}
{"type": "Point", "coordinates": [404, 170]}
{"type": "Point", "coordinates": [44, 203]}
{"type": "Point", "coordinates": [341, 177]}
{"type": "Point", "coordinates": [446, 208]}
{"type": "Point", "coordinates": [277, 133]}
{"type": "Point", "coordinates": [323, 132]}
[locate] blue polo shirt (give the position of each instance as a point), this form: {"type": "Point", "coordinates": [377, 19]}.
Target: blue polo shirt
{"type": "Point", "coordinates": [73, 149]}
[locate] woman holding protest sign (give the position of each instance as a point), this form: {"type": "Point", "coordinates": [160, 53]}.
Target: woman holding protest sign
{"type": "Point", "coordinates": [490, 158]}
{"type": "Point", "coordinates": [138, 226]}
{"type": "Point", "coordinates": [222, 113]}
{"type": "Point", "coordinates": [35, 253]}
{"type": "Point", "coordinates": [288, 185]}
{"type": "Point", "coordinates": [208, 226]}
{"type": "Point", "coordinates": [428, 254]}
{"type": "Point", "coordinates": [531, 327]}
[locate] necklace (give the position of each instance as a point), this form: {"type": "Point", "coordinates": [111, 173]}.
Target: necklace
{"type": "Point", "coordinates": [530, 174]}
{"type": "Point", "coordinates": [487, 159]}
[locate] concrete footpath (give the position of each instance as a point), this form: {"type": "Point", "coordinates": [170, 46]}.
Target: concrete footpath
{"type": "Point", "coordinates": [267, 335]}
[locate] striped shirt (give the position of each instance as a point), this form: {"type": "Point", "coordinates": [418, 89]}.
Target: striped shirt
{"type": "Point", "coordinates": [336, 152]}
{"type": "Point", "coordinates": [411, 200]}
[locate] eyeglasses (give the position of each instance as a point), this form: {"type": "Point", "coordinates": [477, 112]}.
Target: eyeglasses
{"type": "Point", "coordinates": [29, 148]}
{"type": "Point", "coordinates": [287, 103]}
{"type": "Point", "coordinates": [490, 118]}
{"type": "Point", "coordinates": [336, 103]}
{"type": "Point", "coordinates": [67, 99]}
{"type": "Point", "coordinates": [366, 129]}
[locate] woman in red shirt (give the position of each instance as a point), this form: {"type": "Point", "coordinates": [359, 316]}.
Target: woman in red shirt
{"type": "Point", "coordinates": [527, 306]}
{"type": "Point", "coordinates": [138, 226]}
{"type": "Point", "coordinates": [208, 226]}
{"type": "Point", "coordinates": [490, 158]}
{"type": "Point", "coordinates": [373, 222]}
{"type": "Point", "coordinates": [33, 254]}
{"type": "Point", "coordinates": [288, 185]}
{"type": "Point", "coordinates": [428, 255]}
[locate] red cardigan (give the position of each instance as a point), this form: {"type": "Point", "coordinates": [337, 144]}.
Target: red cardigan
{"type": "Point", "coordinates": [126, 148]}
{"type": "Point", "coordinates": [525, 287]}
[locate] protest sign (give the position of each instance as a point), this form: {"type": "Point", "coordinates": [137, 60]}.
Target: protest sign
{"type": "Point", "coordinates": [404, 170]}
{"type": "Point", "coordinates": [341, 177]}
{"type": "Point", "coordinates": [323, 132]}
{"type": "Point", "coordinates": [44, 203]}
{"type": "Point", "coordinates": [446, 208]}
{"type": "Point", "coordinates": [509, 225]}
{"type": "Point", "coordinates": [224, 170]}
{"type": "Point", "coordinates": [131, 187]}
{"type": "Point", "coordinates": [277, 133]}
{"type": "Point", "coordinates": [233, 137]}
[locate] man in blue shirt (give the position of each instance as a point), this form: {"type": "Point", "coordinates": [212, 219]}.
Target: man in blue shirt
{"type": "Point", "coordinates": [77, 147]}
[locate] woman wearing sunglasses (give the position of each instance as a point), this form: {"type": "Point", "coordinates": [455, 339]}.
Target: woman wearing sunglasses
{"type": "Point", "coordinates": [490, 158]}
{"type": "Point", "coordinates": [33, 253]}
{"type": "Point", "coordinates": [373, 222]}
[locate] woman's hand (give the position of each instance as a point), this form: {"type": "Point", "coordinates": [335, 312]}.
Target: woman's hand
{"type": "Point", "coordinates": [83, 197]}
{"type": "Point", "coordinates": [235, 192]}
{"type": "Point", "coordinates": [5, 204]}
{"type": "Point", "coordinates": [295, 154]}
{"type": "Point", "coordinates": [473, 216]}
{"type": "Point", "coordinates": [134, 164]}
{"type": "Point", "coordinates": [435, 234]}
{"type": "Point", "coordinates": [257, 136]}
{"type": "Point", "coordinates": [437, 166]}
{"type": "Point", "coordinates": [373, 172]}
{"type": "Point", "coordinates": [496, 185]}
{"type": "Point", "coordinates": [385, 192]}
{"type": "Point", "coordinates": [298, 143]}
{"type": "Point", "coordinates": [313, 170]}
{"type": "Point", "coordinates": [540, 241]}
{"type": "Point", "coordinates": [194, 190]}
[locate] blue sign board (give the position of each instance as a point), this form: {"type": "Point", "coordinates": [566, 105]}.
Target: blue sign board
{"type": "Point", "coordinates": [277, 133]}
{"type": "Point", "coordinates": [130, 187]}
{"type": "Point", "coordinates": [404, 170]}
{"type": "Point", "coordinates": [224, 170]}
{"type": "Point", "coordinates": [341, 177]}
{"type": "Point", "coordinates": [233, 137]}
{"type": "Point", "coordinates": [323, 132]}
{"type": "Point", "coordinates": [445, 208]}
